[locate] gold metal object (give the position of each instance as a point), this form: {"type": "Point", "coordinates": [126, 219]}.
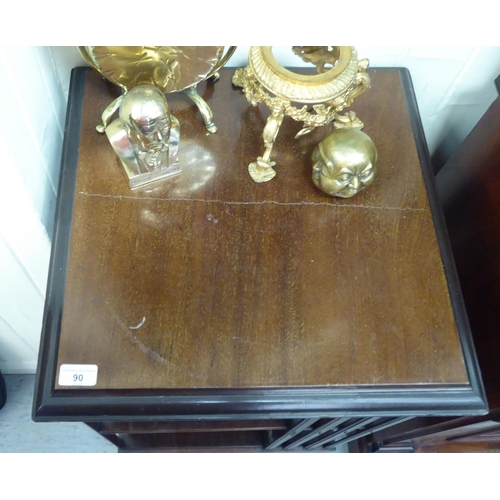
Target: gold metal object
{"type": "Point", "coordinates": [344, 162]}
{"type": "Point", "coordinates": [145, 136]}
{"type": "Point", "coordinates": [341, 77]}
{"type": "Point", "coordinates": [169, 68]}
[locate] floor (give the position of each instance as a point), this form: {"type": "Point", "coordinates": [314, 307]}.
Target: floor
{"type": "Point", "coordinates": [19, 434]}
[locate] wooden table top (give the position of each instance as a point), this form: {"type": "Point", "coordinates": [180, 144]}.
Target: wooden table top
{"type": "Point", "coordinates": [237, 285]}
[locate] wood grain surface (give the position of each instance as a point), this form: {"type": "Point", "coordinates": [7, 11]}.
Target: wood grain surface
{"type": "Point", "coordinates": [239, 285]}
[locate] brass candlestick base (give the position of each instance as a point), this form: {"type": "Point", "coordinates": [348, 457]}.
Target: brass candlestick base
{"type": "Point", "coordinates": [341, 77]}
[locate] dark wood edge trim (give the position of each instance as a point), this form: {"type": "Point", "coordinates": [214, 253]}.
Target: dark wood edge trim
{"type": "Point", "coordinates": [429, 430]}
{"type": "Point", "coordinates": [327, 403]}
{"type": "Point", "coordinates": [77, 405]}
{"type": "Point", "coordinates": [51, 325]}
{"type": "Point", "coordinates": [462, 321]}
{"type": "Point", "coordinates": [485, 432]}
{"type": "Point", "coordinates": [440, 427]}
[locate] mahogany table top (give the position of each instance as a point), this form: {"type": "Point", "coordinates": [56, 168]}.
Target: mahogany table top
{"type": "Point", "coordinates": [209, 281]}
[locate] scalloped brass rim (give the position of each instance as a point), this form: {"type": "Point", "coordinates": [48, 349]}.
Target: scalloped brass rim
{"type": "Point", "coordinates": [225, 58]}
{"type": "Point", "coordinates": [222, 61]}
{"type": "Point", "coordinates": [309, 89]}
{"type": "Point", "coordinates": [85, 54]}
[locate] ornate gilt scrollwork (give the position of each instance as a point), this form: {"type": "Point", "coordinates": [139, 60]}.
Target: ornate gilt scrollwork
{"type": "Point", "coordinates": [341, 77]}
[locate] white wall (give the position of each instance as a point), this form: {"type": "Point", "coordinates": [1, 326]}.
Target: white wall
{"type": "Point", "coordinates": [454, 87]}
{"type": "Point", "coordinates": [32, 105]}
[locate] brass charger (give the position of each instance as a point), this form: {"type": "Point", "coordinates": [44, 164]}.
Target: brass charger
{"type": "Point", "coordinates": [168, 68]}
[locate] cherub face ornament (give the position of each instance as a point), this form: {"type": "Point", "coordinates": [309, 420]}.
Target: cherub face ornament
{"type": "Point", "coordinates": [344, 163]}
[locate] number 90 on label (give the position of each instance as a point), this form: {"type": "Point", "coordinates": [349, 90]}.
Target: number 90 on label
{"type": "Point", "coordinates": [77, 375]}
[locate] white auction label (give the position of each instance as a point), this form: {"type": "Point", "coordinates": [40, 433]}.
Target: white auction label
{"type": "Point", "coordinates": [83, 375]}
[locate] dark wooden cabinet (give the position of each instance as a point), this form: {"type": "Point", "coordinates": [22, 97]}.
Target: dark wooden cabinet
{"type": "Point", "coordinates": [227, 315]}
{"type": "Point", "coordinates": [469, 190]}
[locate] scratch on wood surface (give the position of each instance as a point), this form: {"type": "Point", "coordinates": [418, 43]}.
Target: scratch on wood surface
{"type": "Point", "coordinates": [151, 353]}
{"type": "Point", "coordinates": [263, 202]}
{"type": "Point", "coordinates": [139, 325]}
